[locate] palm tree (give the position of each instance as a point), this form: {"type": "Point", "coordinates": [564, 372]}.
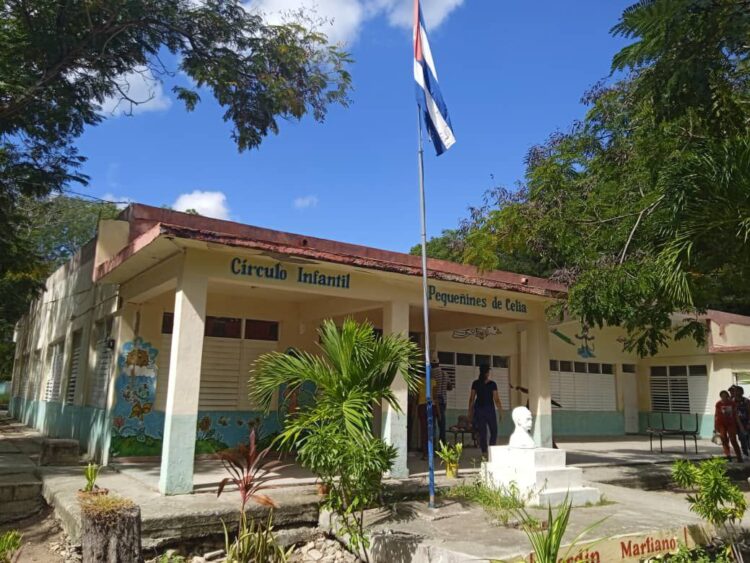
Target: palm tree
{"type": "Point", "coordinates": [352, 374]}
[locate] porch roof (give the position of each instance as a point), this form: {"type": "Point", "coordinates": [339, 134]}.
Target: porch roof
{"type": "Point", "coordinates": [159, 230]}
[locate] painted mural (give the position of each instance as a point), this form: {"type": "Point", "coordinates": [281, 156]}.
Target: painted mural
{"type": "Point", "coordinates": [137, 427]}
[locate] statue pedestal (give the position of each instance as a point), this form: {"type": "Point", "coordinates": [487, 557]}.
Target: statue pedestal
{"type": "Point", "coordinates": [539, 473]}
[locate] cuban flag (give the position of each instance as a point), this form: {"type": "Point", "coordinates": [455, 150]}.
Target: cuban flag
{"type": "Point", "coordinates": [430, 100]}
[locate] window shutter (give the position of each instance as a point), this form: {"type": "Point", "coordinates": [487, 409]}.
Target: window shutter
{"type": "Point", "coordinates": [54, 376]}
{"type": "Point", "coordinates": [220, 369]}
{"type": "Point", "coordinates": [100, 382]}
{"type": "Point", "coordinates": [75, 366]}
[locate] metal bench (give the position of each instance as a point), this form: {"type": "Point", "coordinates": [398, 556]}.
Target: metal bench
{"type": "Point", "coordinates": [658, 427]}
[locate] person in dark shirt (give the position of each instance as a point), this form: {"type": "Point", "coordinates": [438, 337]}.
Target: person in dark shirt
{"type": "Point", "coordinates": [743, 416]}
{"type": "Point", "coordinates": [482, 402]}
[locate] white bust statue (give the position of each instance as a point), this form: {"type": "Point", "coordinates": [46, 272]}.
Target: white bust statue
{"type": "Point", "coordinates": [521, 437]}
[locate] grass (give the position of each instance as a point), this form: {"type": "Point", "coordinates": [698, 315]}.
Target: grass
{"type": "Point", "coordinates": [105, 508]}
{"type": "Point", "coordinates": [10, 542]}
{"type": "Point", "coordinates": [498, 503]}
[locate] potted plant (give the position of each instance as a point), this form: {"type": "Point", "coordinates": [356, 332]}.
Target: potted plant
{"type": "Point", "coordinates": [450, 456]}
{"type": "Point", "coordinates": [91, 472]}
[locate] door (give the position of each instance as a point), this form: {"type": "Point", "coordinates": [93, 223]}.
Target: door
{"type": "Point", "coordinates": [630, 400]}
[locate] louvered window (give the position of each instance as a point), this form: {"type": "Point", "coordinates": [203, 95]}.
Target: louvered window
{"type": "Point", "coordinates": [54, 372]}
{"type": "Point", "coordinates": [679, 389]}
{"type": "Point", "coordinates": [463, 375]}
{"type": "Point", "coordinates": [75, 367]}
{"type": "Point", "coordinates": [583, 386]}
{"type": "Point", "coordinates": [100, 380]}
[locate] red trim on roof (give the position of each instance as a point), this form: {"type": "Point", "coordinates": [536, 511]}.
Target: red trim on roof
{"type": "Point", "coordinates": [147, 223]}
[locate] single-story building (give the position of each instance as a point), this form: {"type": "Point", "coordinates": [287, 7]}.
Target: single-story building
{"type": "Point", "coordinates": [141, 344]}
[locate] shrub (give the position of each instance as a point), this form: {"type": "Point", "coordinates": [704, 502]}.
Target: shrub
{"type": "Point", "coordinates": [91, 473]}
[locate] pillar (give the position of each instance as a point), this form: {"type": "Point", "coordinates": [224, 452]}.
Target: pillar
{"type": "Point", "coordinates": [537, 370]}
{"type": "Point", "coordinates": [183, 386]}
{"type": "Point", "coordinates": [123, 330]}
{"type": "Point", "coordinates": [393, 424]}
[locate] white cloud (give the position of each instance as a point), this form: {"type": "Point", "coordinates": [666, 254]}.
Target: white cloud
{"type": "Point", "coordinates": [305, 201]}
{"type": "Point", "coordinates": [210, 204]}
{"type": "Point", "coordinates": [348, 16]}
{"type": "Point", "coordinates": [401, 13]}
{"type": "Point", "coordinates": [121, 201]}
{"type": "Point", "coordinates": [140, 86]}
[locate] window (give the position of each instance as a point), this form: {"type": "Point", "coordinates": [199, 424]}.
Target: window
{"type": "Point", "coordinates": [464, 359]}
{"type": "Point", "coordinates": [672, 392]}
{"type": "Point", "coordinates": [583, 386]}
{"type": "Point", "coordinates": [103, 354]}
{"type": "Point", "coordinates": [167, 323]}
{"type": "Point", "coordinates": [75, 366]}
{"type": "Point", "coordinates": [261, 330]}
{"type": "Point", "coordinates": [482, 360]}
{"type": "Point", "coordinates": [446, 358]}
{"type": "Point", "coordinates": [54, 372]}
{"type": "Point", "coordinates": [628, 368]}
{"type": "Point", "coordinates": [223, 327]}
{"type": "Point", "coordinates": [499, 362]}
{"type": "Point", "coordinates": [697, 371]}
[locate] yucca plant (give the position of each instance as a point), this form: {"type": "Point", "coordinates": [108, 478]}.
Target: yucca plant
{"type": "Point", "coordinates": [91, 473]}
{"type": "Point", "coordinates": [255, 542]}
{"type": "Point", "coordinates": [546, 542]}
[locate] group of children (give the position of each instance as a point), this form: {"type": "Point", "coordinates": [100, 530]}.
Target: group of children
{"type": "Point", "coordinates": [732, 421]}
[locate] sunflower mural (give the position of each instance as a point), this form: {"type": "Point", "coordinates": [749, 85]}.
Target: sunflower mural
{"type": "Point", "coordinates": [136, 427]}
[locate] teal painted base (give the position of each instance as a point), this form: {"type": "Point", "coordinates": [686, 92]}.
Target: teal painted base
{"type": "Point", "coordinates": [178, 454]}
{"type": "Point", "coordinates": [57, 420]}
{"type": "Point", "coordinates": [672, 420]}
{"type": "Point", "coordinates": [564, 423]}
{"type": "Point", "coordinates": [542, 431]}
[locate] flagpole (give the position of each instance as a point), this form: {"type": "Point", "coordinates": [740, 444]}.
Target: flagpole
{"type": "Point", "coordinates": [427, 362]}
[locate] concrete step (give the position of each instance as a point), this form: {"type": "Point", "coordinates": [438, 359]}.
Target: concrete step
{"type": "Point", "coordinates": [559, 478]}
{"type": "Point", "coordinates": [579, 496]}
{"type": "Point", "coordinates": [59, 451]}
{"type": "Point", "coordinates": [20, 496]}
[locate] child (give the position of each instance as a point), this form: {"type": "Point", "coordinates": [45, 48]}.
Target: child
{"type": "Point", "coordinates": [726, 424]}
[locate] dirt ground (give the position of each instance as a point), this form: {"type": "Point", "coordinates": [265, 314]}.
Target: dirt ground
{"type": "Point", "coordinates": [39, 533]}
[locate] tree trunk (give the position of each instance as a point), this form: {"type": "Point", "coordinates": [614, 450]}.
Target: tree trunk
{"type": "Point", "coordinates": [115, 538]}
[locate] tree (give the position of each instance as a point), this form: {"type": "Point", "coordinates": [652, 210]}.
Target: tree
{"type": "Point", "coordinates": [333, 436]}
{"type": "Point", "coordinates": [60, 61]}
{"type": "Point", "coordinates": [643, 207]}
{"type": "Point", "coordinates": [53, 230]}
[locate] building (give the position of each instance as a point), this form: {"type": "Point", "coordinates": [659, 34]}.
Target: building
{"type": "Point", "coordinates": [141, 344]}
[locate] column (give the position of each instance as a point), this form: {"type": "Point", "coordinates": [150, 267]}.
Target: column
{"type": "Point", "coordinates": [123, 331]}
{"type": "Point", "coordinates": [537, 370]}
{"type": "Point", "coordinates": [393, 425]}
{"type": "Point", "coordinates": [183, 387]}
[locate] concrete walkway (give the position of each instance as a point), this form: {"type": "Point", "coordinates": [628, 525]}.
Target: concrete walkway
{"type": "Point", "coordinates": [456, 531]}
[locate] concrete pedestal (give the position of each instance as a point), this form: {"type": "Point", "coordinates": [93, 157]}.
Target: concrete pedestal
{"type": "Point", "coordinates": [539, 473]}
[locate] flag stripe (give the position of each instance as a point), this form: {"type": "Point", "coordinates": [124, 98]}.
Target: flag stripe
{"type": "Point", "coordinates": [429, 98]}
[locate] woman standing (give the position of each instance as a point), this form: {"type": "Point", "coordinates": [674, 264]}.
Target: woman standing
{"type": "Point", "coordinates": [726, 424]}
{"type": "Point", "coordinates": [482, 402]}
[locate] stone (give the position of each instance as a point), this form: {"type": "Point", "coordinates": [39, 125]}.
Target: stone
{"type": "Point", "coordinates": [212, 555]}
{"type": "Point", "coordinates": [539, 473]}
{"type": "Point", "coordinates": [314, 555]}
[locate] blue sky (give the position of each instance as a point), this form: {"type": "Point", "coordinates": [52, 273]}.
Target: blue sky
{"type": "Point", "coordinates": [511, 72]}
